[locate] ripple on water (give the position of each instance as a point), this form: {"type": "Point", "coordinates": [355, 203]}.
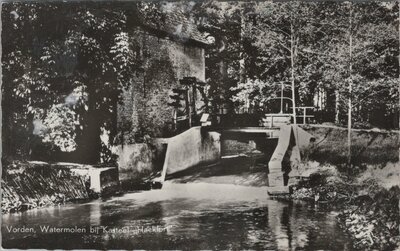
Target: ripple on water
{"type": "Point", "coordinates": [200, 216]}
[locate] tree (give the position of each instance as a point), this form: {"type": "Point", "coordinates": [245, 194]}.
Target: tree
{"type": "Point", "coordinates": [221, 21]}
{"type": "Point", "coordinates": [66, 63]}
{"type": "Point", "coordinates": [275, 31]}
{"type": "Point", "coordinates": [322, 56]}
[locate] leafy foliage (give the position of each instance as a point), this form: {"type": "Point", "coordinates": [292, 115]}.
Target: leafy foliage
{"type": "Point", "coordinates": [319, 33]}
{"type": "Point", "coordinates": [54, 49]}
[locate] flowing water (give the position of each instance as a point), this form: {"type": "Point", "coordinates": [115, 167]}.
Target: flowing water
{"type": "Point", "coordinates": [180, 216]}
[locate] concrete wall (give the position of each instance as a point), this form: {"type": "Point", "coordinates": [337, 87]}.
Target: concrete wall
{"type": "Point", "coordinates": [191, 148]}
{"type": "Point", "coordinates": [304, 139]}
{"type": "Point", "coordinates": [287, 155]}
{"type": "Point", "coordinates": [144, 109]}
{"type": "Point", "coordinates": [104, 180]}
{"type": "Point", "coordinates": [137, 162]}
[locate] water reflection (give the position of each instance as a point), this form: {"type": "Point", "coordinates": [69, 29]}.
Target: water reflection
{"type": "Point", "coordinates": [183, 216]}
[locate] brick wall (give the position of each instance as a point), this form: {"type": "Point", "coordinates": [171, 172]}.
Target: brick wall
{"type": "Point", "coordinates": [144, 109]}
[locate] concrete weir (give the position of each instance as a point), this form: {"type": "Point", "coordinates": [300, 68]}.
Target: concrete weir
{"type": "Point", "coordinates": [284, 163]}
{"type": "Point", "coordinates": [198, 146]}
{"type": "Point", "coordinates": [191, 148]}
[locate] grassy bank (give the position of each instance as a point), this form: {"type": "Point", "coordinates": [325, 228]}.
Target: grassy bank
{"type": "Point", "coordinates": [368, 201]}
{"type": "Point", "coordinates": [366, 192]}
{"type": "Point", "coordinates": [369, 147]}
{"type": "Point", "coordinates": [26, 186]}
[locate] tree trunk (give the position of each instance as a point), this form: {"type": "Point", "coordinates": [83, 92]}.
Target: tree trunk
{"type": "Point", "coordinates": [292, 71]}
{"type": "Point", "coordinates": [242, 71]}
{"type": "Point", "coordinates": [350, 86]}
{"type": "Point", "coordinates": [337, 107]}
{"type": "Point", "coordinates": [242, 67]}
{"type": "Point", "coordinates": [89, 144]}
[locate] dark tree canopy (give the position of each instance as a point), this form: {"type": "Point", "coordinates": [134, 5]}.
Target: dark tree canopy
{"type": "Point", "coordinates": [65, 64]}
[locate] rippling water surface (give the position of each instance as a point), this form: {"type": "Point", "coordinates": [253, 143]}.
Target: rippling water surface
{"type": "Point", "coordinates": [180, 216]}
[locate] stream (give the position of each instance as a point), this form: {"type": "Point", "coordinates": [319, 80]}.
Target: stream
{"type": "Point", "coordinates": [179, 216]}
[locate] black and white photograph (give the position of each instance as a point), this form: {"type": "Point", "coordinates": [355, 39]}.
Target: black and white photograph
{"type": "Point", "coordinates": [200, 125]}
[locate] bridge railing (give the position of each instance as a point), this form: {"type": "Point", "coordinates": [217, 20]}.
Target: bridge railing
{"type": "Point", "coordinates": [247, 118]}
